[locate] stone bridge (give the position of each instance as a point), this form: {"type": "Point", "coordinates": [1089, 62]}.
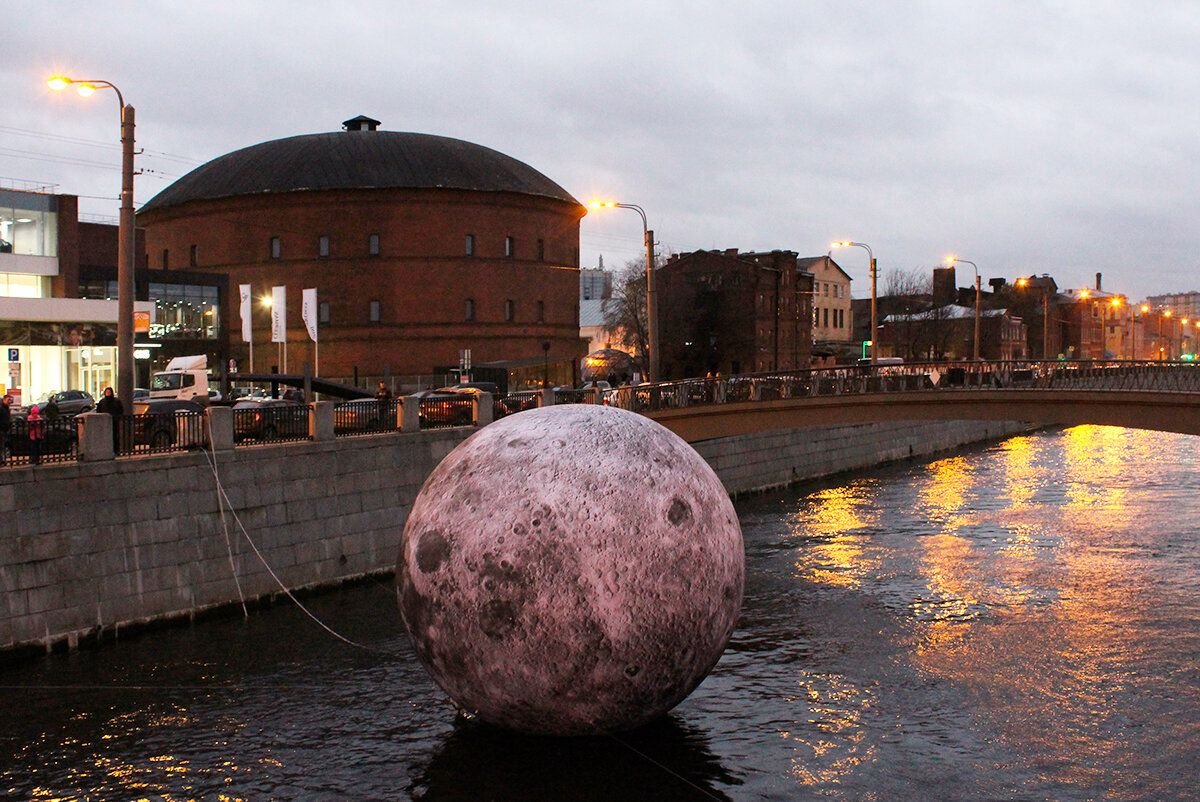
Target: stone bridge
{"type": "Point", "coordinates": [1161, 396]}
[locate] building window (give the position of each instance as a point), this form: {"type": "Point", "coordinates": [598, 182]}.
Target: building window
{"type": "Point", "coordinates": [510, 246]}
{"type": "Point", "coordinates": [373, 245]}
{"type": "Point", "coordinates": [510, 311]}
{"type": "Point", "coordinates": [166, 259]}
{"type": "Point", "coordinates": [541, 250]}
{"type": "Point", "coordinates": [826, 316]}
{"type": "Point", "coordinates": [470, 245]}
{"type": "Point", "coordinates": [323, 247]}
{"type": "Point", "coordinates": [276, 248]}
{"type": "Point", "coordinates": [541, 311]}
{"type": "Point", "coordinates": [323, 312]}
{"type": "Point", "coordinates": [193, 255]}
{"type": "Point", "coordinates": [373, 312]}
{"type": "Point", "coordinates": [469, 310]}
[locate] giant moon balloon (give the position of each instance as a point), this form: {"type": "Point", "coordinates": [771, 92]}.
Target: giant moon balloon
{"type": "Point", "coordinates": [571, 570]}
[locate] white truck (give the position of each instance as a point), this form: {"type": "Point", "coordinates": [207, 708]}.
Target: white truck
{"type": "Point", "coordinates": [185, 377]}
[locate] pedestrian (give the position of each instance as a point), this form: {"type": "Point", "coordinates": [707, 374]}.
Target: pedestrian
{"type": "Point", "coordinates": [109, 404]}
{"type": "Point", "coordinates": [383, 395]}
{"type": "Point", "coordinates": [5, 426]}
{"type": "Point", "coordinates": [50, 412]}
{"type": "Point", "coordinates": [36, 431]}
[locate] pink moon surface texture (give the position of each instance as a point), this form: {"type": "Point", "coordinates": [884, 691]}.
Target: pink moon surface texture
{"type": "Point", "coordinates": [571, 570]}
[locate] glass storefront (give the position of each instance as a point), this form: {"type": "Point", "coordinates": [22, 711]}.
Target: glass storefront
{"type": "Point", "coordinates": [28, 224]}
{"type": "Point", "coordinates": [185, 311]}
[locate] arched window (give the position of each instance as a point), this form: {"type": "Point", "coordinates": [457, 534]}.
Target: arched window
{"type": "Point", "coordinates": [510, 311]}
{"type": "Point", "coordinates": [469, 311]}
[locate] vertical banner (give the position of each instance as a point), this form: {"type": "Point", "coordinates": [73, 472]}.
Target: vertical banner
{"type": "Point", "coordinates": [247, 331]}
{"type": "Point", "coordinates": [279, 314]}
{"type": "Point", "coordinates": [308, 311]}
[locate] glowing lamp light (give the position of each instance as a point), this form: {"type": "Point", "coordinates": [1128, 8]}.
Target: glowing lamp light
{"type": "Point", "coordinates": [1145, 308]}
{"type": "Point", "coordinates": [59, 82]}
{"type": "Point", "coordinates": [266, 300]}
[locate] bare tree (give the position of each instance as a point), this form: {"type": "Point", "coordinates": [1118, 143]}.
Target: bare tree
{"type": "Point", "coordinates": [625, 312]}
{"type": "Point", "coordinates": [909, 284]}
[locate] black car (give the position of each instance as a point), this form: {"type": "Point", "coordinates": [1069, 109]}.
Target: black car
{"type": "Point", "coordinates": [165, 423]}
{"type": "Point", "coordinates": [269, 419]}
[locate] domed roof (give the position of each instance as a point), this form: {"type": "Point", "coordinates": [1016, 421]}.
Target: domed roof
{"type": "Point", "coordinates": [360, 157]}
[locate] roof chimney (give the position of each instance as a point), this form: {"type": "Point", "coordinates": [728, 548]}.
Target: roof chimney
{"type": "Point", "coordinates": [360, 123]}
{"type": "Point", "coordinates": [1097, 282]}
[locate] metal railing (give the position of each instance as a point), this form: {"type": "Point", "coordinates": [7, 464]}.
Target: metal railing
{"type": "Point", "coordinates": [51, 441]}
{"type": "Point", "coordinates": [442, 413]}
{"type": "Point", "coordinates": [158, 433]}
{"type": "Point", "coordinates": [270, 423]}
{"type": "Point", "coordinates": [517, 401]}
{"type": "Point", "coordinates": [366, 416]}
{"type": "Point", "coordinates": [910, 377]}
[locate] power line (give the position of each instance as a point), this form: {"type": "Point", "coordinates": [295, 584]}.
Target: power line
{"type": "Point", "coordinates": [92, 143]}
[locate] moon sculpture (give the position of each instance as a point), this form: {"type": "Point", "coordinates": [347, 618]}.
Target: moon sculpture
{"type": "Point", "coordinates": [571, 570]}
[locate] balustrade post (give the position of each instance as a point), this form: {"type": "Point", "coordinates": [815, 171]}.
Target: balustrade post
{"type": "Point", "coordinates": [95, 437]}
{"type": "Point", "coordinates": [546, 398]}
{"type": "Point", "coordinates": [408, 414]}
{"type": "Point", "coordinates": [320, 420]}
{"type": "Point", "coordinates": [218, 425]}
{"type": "Point", "coordinates": [483, 412]}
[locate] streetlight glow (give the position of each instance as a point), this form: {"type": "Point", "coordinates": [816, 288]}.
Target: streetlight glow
{"type": "Point", "coordinates": [126, 246]}
{"type": "Point", "coordinates": [652, 361]}
{"type": "Point", "coordinates": [845, 243]}
{"type": "Point", "coordinates": [950, 261]}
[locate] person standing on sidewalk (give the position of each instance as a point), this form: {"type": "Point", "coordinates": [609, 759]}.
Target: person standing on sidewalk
{"type": "Point", "coordinates": [5, 426]}
{"type": "Point", "coordinates": [109, 404]}
{"type": "Point", "coordinates": [36, 431]}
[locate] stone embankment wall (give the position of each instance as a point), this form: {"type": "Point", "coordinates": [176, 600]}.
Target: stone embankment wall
{"type": "Point", "coordinates": [757, 462]}
{"type": "Point", "coordinates": [92, 549]}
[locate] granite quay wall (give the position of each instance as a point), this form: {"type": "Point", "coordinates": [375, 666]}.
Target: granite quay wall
{"type": "Point", "coordinates": [96, 548]}
{"type": "Point", "coordinates": [755, 462]}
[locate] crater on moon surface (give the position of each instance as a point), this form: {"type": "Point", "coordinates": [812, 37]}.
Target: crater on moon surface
{"type": "Point", "coordinates": [582, 576]}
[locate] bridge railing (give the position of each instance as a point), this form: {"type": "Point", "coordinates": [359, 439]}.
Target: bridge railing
{"type": "Point", "coordinates": [909, 378]}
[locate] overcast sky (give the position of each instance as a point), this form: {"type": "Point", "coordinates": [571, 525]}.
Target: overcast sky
{"type": "Point", "coordinates": [1028, 137]}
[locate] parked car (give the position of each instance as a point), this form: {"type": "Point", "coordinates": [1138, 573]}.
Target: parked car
{"type": "Point", "coordinates": [444, 408]}
{"type": "Point", "coordinates": [166, 422]}
{"type": "Point", "coordinates": [269, 419]}
{"type": "Point", "coordinates": [364, 415]}
{"type": "Point", "coordinates": [499, 410]}
{"type": "Point", "coordinates": [69, 402]}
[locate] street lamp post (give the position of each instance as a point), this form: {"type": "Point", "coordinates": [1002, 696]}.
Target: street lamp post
{"type": "Point", "coordinates": [652, 362]}
{"type": "Point", "coordinates": [874, 295]}
{"type": "Point", "coordinates": [950, 260]}
{"type": "Point", "coordinates": [125, 236]}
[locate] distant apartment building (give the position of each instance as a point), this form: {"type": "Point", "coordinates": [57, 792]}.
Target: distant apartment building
{"type": "Point", "coordinates": [595, 283]}
{"type": "Point", "coordinates": [832, 317]}
{"type": "Point", "coordinates": [729, 312]}
{"type": "Point", "coordinates": [1180, 304]}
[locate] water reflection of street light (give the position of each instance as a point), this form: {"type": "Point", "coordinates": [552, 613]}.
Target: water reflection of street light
{"type": "Point", "coordinates": [653, 361]}
{"type": "Point", "coordinates": [950, 260]}
{"type": "Point", "coordinates": [871, 256]}
{"type": "Point", "coordinates": [125, 235]}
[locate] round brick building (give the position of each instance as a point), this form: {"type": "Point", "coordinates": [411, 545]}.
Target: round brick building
{"type": "Point", "coordinates": [419, 246]}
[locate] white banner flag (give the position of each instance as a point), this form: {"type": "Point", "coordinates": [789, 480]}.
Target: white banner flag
{"type": "Point", "coordinates": [308, 311]}
{"type": "Point", "coordinates": [247, 300]}
{"type": "Point", "coordinates": [279, 314]}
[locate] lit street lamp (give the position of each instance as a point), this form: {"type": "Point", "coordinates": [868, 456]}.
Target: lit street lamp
{"type": "Point", "coordinates": [125, 236]}
{"type": "Point", "coordinates": [653, 361]}
{"type": "Point", "coordinates": [950, 260]}
{"type": "Point", "coordinates": [874, 322]}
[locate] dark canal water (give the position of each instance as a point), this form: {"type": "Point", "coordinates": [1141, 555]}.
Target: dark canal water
{"type": "Point", "coordinates": [1017, 622]}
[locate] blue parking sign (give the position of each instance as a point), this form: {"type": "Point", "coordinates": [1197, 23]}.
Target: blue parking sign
{"type": "Point", "coordinates": [14, 355]}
